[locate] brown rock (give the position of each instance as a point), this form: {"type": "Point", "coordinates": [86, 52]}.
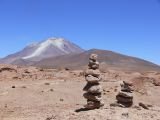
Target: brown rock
{"type": "Point", "coordinates": [94, 89]}
{"type": "Point", "coordinates": [92, 79]}
{"type": "Point", "coordinates": [156, 82]}
{"type": "Point", "coordinates": [13, 86]}
{"type": "Point", "coordinates": [87, 86]}
{"type": "Point", "coordinates": [93, 105]}
{"type": "Point", "coordinates": [143, 106]}
{"type": "Point", "coordinates": [123, 99]}
{"type": "Point", "coordinates": [93, 57]}
{"type": "Point", "coordinates": [126, 88]}
{"type": "Point", "coordinates": [125, 94]}
{"type": "Point", "coordinates": [95, 73]}
{"type": "Point", "coordinates": [128, 83]}
{"type": "Point", "coordinates": [92, 97]}
{"type": "Point", "coordinates": [93, 65]}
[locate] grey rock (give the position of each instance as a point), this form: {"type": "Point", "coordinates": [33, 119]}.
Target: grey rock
{"type": "Point", "coordinates": [87, 86]}
{"type": "Point", "coordinates": [123, 99]}
{"type": "Point", "coordinates": [93, 105]}
{"type": "Point", "coordinates": [93, 57]}
{"type": "Point", "coordinates": [93, 65]}
{"type": "Point", "coordinates": [128, 83]}
{"type": "Point", "coordinates": [126, 88]}
{"type": "Point", "coordinates": [125, 94]}
{"type": "Point", "coordinates": [143, 106]}
{"type": "Point", "coordinates": [92, 97]}
{"type": "Point", "coordinates": [95, 73]}
{"type": "Point", "coordinates": [93, 88]}
{"type": "Point", "coordinates": [92, 79]}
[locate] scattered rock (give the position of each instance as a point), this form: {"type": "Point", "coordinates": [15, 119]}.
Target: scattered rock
{"type": "Point", "coordinates": [8, 69]}
{"type": "Point", "coordinates": [26, 71]}
{"type": "Point", "coordinates": [137, 107]}
{"type": "Point", "coordinates": [24, 87]}
{"type": "Point", "coordinates": [51, 90]}
{"type": "Point", "coordinates": [47, 83]}
{"type": "Point", "coordinates": [15, 77]}
{"type": "Point", "coordinates": [156, 83]}
{"type": "Point", "coordinates": [115, 90]}
{"type": "Point", "coordinates": [6, 106]}
{"type": "Point", "coordinates": [41, 69]}
{"type": "Point", "coordinates": [67, 69]}
{"type": "Point", "coordinates": [13, 86]}
{"type": "Point", "coordinates": [125, 115]}
{"type": "Point", "coordinates": [143, 106]}
{"type": "Point", "coordinates": [51, 118]}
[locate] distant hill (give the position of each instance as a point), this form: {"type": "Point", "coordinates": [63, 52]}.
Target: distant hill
{"type": "Point", "coordinates": [108, 60]}
{"type": "Point", "coordinates": [61, 53]}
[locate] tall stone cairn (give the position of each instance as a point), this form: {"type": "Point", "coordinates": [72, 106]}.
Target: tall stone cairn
{"type": "Point", "coordinates": [93, 88]}
{"type": "Point", "coordinates": [125, 96]}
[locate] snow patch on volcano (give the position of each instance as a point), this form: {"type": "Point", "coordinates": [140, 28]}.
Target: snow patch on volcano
{"type": "Point", "coordinates": [59, 43]}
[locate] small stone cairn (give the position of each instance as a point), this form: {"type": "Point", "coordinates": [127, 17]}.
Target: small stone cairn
{"type": "Point", "coordinates": [125, 96]}
{"type": "Point", "coordinates": [93, 88]}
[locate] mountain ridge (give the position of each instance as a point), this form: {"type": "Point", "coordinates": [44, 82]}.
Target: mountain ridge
{"type": "Point", "coordinates": [58, 53]}
{"type": "Point", "coordinates": [108, 59]}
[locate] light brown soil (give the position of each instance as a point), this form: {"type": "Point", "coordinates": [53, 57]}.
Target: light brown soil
{"type": "Point", "coordinates": [57, 95]}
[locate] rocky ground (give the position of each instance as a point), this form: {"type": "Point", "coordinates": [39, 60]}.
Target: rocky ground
{"type": "Point", "coordinates": [29, 93]}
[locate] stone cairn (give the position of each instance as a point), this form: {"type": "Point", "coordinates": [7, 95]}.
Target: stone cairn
{"type": "Point", "coordinates": [125, 96]}
{"type": "Point", "coordinates": [93, 89]}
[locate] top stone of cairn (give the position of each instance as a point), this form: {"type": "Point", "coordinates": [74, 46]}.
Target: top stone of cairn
{"type": "Point", "coordinates": [93, 57]}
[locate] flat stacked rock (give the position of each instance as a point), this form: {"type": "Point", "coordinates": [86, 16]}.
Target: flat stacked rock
{"type": "Point", "coordinates": [125, 96]}
{"type": "Point", "coordinates": [93, 89]}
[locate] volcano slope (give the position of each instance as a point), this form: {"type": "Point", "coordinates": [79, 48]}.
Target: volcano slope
{"type": "Point", "coordinates": [108, 59]}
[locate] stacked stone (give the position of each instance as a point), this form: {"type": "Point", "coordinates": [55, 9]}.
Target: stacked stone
{"type": "Point", "coordinates": [93, 89]}
{"type": "Point", "coordinates": [125, 96]}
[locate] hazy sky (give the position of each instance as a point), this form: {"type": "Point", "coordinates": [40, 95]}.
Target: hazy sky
{"type": "Point", "coordinates": [130, 27]}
